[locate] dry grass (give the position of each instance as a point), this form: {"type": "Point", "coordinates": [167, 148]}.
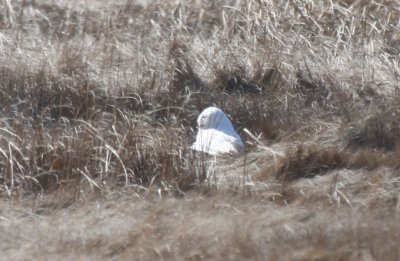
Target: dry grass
{"type": "Point", "coordinates": [308, 161]}
{"type": "Point", "coordinates": [99, 101]}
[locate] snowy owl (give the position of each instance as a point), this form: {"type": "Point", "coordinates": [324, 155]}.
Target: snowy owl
{"type": "Point", "coordinates": [216, 134]}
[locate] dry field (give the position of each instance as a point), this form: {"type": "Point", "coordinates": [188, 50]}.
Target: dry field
{"type": "Point", "coordinates": [98, 105]}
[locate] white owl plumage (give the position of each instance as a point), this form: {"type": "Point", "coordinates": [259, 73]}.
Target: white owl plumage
{"type": "Point", "coordinates": [216, 134]}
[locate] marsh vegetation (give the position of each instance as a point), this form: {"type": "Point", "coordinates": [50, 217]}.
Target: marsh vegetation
{"type": "Point", "coordinates": [99, 101]}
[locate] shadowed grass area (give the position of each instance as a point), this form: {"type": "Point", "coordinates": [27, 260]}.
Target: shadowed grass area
{"type": "Point", "coordinates": [308, 161]}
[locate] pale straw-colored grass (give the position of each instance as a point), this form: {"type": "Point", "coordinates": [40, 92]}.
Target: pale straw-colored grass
{"type": "Point", "coordinates": [99, 101]}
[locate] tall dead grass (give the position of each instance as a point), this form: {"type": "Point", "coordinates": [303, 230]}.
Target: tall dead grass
{"type": "Point", "coordinates": [101, 97]}
{"type": "Point", "coordinates": [79, 84]}
{"type": "Point", "coordinates": [308, 161]}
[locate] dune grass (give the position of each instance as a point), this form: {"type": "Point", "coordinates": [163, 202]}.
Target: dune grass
{"type": "Point", "coordinates": [99, 99]}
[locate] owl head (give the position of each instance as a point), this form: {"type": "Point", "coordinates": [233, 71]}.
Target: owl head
{"type": "Point", "coordinates": [212, 118]}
